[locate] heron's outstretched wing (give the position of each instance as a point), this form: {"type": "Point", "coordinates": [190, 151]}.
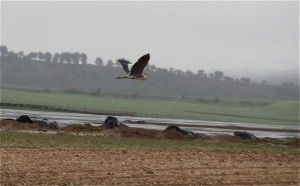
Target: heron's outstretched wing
{"type": "Point", "coordinates": [124, 64]}
{"type": "Point", "coordinates": [139, 66]}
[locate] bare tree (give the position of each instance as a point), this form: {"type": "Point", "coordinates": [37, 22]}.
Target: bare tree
{"type": "Point", "coordinates": [32, 56]}
{"type": "Point", "coordinates": [83, 58]}
{"type": "Point", "coordinates": [76, 58]}
{"type": "Point", "coordinates": [12, 56]}
{"type": "Point", "coordinates": [40, 56]}
{"type": "Point", "coordinates": [66, 57]}
{"type": "Point", "coordinates": [3, 50]}
{"type": "Point", "coordinates": [109, 63]}
{"type": "Point", "coordinates": [227, 78]}
{"type": "Point", "coordinates": [21, 54]}
{"type": "Point", "coordinates": [219, 75]}
{"type": "Point", "coordinates": [200, 73]}
{"type": "Point", "coordinates": [99, 61]}
{"type": "Point", "coordinates": [245, 80]}
{"type": "Point", "coordinates": [189, 73]}
{"type": "Point", "coordinates": [48, 57]}
{"type": "Point", "coordinates": [56, 58]}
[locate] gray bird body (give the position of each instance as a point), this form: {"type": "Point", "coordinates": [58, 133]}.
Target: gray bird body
{"type": "Point", "coordinates": [137, 69]}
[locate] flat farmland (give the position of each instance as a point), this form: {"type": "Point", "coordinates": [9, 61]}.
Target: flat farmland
{"type": "Point", "coordinates": [64, 159]}
{"type": "Point", "coordinates": [274, 112]}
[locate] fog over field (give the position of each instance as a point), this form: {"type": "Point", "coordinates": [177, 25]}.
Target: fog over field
{"type": "Point", "coordinates": [259, 40]}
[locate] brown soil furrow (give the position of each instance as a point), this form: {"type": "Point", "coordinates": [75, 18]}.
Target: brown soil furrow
{"type": "Point", "coordinates": [162, 179]}
{"type": "Point", "coordinates": [29, 166]}
{"type": "Point", "coordinates": [187, 171]}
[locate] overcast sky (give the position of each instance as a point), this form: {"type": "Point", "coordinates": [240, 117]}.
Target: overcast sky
{"type": "Point", "coordinates": [236, 37]}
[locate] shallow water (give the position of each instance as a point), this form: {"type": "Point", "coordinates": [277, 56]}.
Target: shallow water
{"type": "Point", "coordinates": [66, 118]}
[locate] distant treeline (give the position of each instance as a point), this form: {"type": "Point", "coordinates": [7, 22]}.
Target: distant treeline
{"type": "Point", "coordinates": [71, 72]}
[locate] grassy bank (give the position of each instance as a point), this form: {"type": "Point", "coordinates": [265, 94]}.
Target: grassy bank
{"type": "Point", "coordinates": [276, 112]}
{"type": "Point", "coordinates": [64, 141]}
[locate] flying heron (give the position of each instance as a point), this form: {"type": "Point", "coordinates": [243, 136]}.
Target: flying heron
{"type": "Point", "coordinates": [137, 69]}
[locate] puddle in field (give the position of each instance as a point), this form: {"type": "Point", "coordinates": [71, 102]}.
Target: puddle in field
{"type": "Point", "coordinates": [64, 118]}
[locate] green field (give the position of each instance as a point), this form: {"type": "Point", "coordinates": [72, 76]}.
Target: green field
{"type": "Point", "coordinates": [276, 112]}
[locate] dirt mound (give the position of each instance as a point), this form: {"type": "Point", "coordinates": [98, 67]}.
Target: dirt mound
{"type": "Point", "coordinates": [297, 142]}
{"type": "Point", "coordinates": [87, 128]}
{"type": "Point", "coordinates": [13, 124]}
{"type": "Point", "coordinates": [82, 128]}
{"type": "Point", "coordinates": [155, 134]}
{"type": "Point", "coordinates": [172, 134]}
{"type": "Point", "coordinates": [128, 132]}
{"type": "Point", "coordinates": [138, 132]}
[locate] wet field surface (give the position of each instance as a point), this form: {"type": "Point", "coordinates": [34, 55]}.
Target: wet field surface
{"type": "Point", "coordinates": [206, 127]}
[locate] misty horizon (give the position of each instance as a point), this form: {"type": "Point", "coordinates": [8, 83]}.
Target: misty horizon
{"type": "Point", "coordinates": [259, 40]}
{"type": "Point", "coordinates": [279, 78]}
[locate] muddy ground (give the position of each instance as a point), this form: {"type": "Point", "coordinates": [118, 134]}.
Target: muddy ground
{"type": "Point", "coordinates": [29, 166]}
{"type": "Point", "coordinates": [25, 165]}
